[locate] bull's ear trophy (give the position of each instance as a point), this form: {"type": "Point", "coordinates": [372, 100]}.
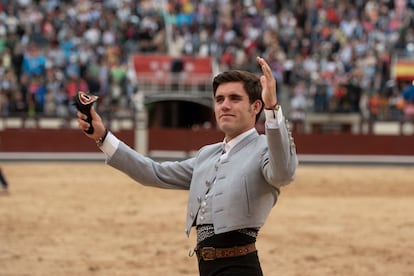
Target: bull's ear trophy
{"type": "Point", "coordinates": [83, 102]}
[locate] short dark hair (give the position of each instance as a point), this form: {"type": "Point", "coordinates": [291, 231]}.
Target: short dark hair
{"type": "Point", "coordinates": [251, 83]}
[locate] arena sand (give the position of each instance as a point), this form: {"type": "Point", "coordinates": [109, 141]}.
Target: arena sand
{"type": "Point", "coordinates": [88, 219]}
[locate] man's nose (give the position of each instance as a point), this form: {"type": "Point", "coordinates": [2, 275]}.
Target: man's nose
{"type": "Point", "coordinates": [225, 104]}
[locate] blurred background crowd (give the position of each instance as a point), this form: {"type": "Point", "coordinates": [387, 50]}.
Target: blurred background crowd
{"type": "Point", "coordinates": [327, 55]}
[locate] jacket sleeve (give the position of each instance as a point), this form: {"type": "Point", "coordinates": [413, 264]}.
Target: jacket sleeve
{"type": "Point", "coordinates": [280, 161]}
{"type": "Point", "coordinates": [167, 175]}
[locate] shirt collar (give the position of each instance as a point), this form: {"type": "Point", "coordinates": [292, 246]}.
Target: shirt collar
{"type": "Point", "coordinates": [233, 142]}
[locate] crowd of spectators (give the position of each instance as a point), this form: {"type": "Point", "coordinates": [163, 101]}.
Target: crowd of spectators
{"type": "Point", "coordinates": [327, 55]}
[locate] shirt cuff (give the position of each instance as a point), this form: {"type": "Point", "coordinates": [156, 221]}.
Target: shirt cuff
{"type": "Point", "coordinates": [110, 145]}
{"type": "Point", "coordinates": [273, 117]}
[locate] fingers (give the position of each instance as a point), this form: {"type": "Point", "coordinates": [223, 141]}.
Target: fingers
{"type": "Point", "coordinates": [81, 116]}
{"type": "Point", "coordinates": [267, 72]}
{"type": "Point", "coordinates": [268, 83]}
{"type": "Point", "coordinates": [82, 121]}
{"type": "Point", "coordinates": [82, 124]}
{"type": "Point", "coordinates": [267, 79]}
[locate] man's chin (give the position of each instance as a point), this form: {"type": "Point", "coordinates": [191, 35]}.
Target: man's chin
{"type": "Point", "coordinates": [225, 127]}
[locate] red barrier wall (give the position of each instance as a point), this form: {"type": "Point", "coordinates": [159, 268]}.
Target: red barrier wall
{"type": "Point", "coordinates": [354, 144]}
{"type": "Point", "coordinates": [52, 140]}
{"type": "Point", "coordinates": [72, 140]}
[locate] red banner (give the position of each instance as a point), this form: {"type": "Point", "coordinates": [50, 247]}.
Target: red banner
{"type": "Point", "coordinates": [161, 68]}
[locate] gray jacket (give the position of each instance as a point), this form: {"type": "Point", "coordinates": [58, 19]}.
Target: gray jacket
{"type": "Point", "coordinates": [248, 180]}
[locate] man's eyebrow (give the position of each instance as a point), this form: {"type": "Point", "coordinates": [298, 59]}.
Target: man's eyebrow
{"type": "Point", "coordinates": [233, 95]}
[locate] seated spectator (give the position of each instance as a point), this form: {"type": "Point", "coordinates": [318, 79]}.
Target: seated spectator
{"type": "Point", "coordinates": [408, 96]}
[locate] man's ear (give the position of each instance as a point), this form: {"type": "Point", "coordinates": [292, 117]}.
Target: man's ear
{"type": "Point", "coordinates": [257, 105]}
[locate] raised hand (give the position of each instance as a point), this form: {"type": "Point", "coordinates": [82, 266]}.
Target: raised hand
{"type": "Point", "coordinates": [268, 84]}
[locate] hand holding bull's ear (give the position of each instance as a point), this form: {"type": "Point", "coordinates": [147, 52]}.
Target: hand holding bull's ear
{"type": "Point", "coordinates": [83, 102]}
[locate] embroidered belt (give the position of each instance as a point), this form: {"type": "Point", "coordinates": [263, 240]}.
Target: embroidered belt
{"type": "Point", "coordinates": [206, 231]}
{"type": "Point", "coordinates": [211, 253]}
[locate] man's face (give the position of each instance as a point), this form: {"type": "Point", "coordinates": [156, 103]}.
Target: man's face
{"type": "Point", "coordinates": [234, 113]}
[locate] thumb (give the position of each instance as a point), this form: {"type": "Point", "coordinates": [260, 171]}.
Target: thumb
{"type": "Point", "coordinates": [264, 84]}
{"type": "Point", "coordinates": [94, 114]}
{"type": "Point", "coordinates": [97, 123]}
{"type": "Point", "coordinates": [263, 81]}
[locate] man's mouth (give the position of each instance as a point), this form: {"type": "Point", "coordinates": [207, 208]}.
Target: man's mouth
{"type": "Point", "coordinates": [226, 115]}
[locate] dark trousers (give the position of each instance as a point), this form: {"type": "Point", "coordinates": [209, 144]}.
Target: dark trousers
{"type": "Point", "coordinates": [247, 265]}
